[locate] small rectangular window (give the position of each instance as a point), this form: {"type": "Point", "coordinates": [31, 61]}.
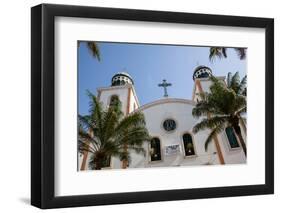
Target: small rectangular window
{"type": "Point", "coordinates": [232, 140]}
{"type": "Point", "coordinates": [188, 145]}
{"type": "Point", "coordinates": [155, 149]}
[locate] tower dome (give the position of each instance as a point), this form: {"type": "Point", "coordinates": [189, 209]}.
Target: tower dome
{"type": "Point", "coordinates": [202, 72]}
{"type": "Point", "coordinates": [121, 78]}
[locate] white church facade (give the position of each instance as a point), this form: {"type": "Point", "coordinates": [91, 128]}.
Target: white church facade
{"type": "Point", "coordinates": [169, 122]}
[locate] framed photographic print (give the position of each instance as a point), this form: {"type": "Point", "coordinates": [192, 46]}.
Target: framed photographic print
{"type": "Point", "coordinates": [139, 106]}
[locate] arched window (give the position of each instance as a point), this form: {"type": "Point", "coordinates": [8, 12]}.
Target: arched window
{"type": "Point", "coordinates": [155, 149]}
{"type": "Point", "coordinates": [114, 100]}
{"type": "Point", "coordinates": [188, 145]}
{"type": "Point", "coordinates": [232, 140]}
{"type": "Point", "coordinates": [117, 82]}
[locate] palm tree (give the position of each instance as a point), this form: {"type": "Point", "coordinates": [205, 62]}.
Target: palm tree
{"type": "Point", "coordinates": [233, 82]}
{"type": "Point", "coordinates": [221, 52]}
{"type": "Point", "coordinates": [106, 133]}
{"type": "Point", "coordinates": [93, 49]}
{"type": "Point", "coordinates": [222, 107]}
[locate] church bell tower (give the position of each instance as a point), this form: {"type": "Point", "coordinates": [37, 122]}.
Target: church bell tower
{"type": "Point", "coordinates": [122, 88]}
{"type": "Point", "coordinates": [202, 83]}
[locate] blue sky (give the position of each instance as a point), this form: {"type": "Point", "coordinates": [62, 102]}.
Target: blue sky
{"type": "Point", "coordinates": [149, 65]}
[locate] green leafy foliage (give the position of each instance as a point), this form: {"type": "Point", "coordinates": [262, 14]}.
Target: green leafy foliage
{"type": "Point", "coordinates": [106, 132]}
{"type": "Point", "coordinates": [221, 52]}
{"type": "Point", "coordinates": [221, 107]}
{"type": "Point", "coordinates": [93, 49]}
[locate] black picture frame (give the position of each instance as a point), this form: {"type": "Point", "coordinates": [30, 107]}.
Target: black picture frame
{"type": "Point", "coordinates": [43, 102]}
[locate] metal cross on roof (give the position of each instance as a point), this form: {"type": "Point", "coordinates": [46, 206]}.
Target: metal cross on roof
{"type": "Point", "coordinates": [164, 84]}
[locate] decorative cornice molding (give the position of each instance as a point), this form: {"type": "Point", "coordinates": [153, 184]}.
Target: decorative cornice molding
{"type": "Point", "coordinates": [166, 100]}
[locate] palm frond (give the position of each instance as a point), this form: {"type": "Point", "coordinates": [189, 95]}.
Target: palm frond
{"type": "Point", "coordinates": [235, 82]}
{"type": "Point", "coordinates": [139, 150]}
{"type": "Point", "coordinates": [94, 49]}
{"type": "Point", "coordinates": [223, 50]}
{"type": "Point", "coordinates": [84, 146]}
{"type": "Point", "coordinates": [215, 52]}
{"type": "Point", "coordinates": [238, 103]}
{"type": "Point", "coordinates": [222, 105]}
{"type": "Point", "coordinates": [213, 133]}
{"type": "Point", "coordinates": [216, 82]}
{"type": "Point", "coordinates": [133, 119]}
{"type": "Point", "coordinates": [134, 136]}
{"type": "Point", "coordinates": [203, 108]}
{"type": "Point", "coordinates": [241, 52]}
{"type": "Point", "coordinates": [218, 52]}
{"type": "Point", "coordinates": [87, 138]}
{"type": "Point", "coordinates": [243, 86]}
{"type": "Point", "coordinates": [228, 80]}
{"type": "Point", "coordinates": [110, 121]}
{"type": "Point", "coordinates": [113, 134]}
{"type": "Point", "coordinates": [86, 122]}
{"type": "Point", "coordinates": [209, 123]}
{"type": "Point", "coordinates": [96, 112]}
{"type": "Point", "coordinates": [242, 110]}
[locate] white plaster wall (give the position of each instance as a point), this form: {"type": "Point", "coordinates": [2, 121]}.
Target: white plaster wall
{"type": "Point", "coordinates": [120, 91]}
{"type": "Point", "coordinates": [205, 84]}
{"type": "Point", "coordinates": [231, 156]}
{"type": "Point", "coordinates": [114, 162]}
{"type": "Point", "coordinates": [133, 100]}
{"type": "Point", "coordinates": [244, 132]}
{"type": "Point", "coordinates": [80, 160]}
{"type": "Point", "coordinates": [196, 92]}
{"type": "Point", "coordinates": [181, 112]}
